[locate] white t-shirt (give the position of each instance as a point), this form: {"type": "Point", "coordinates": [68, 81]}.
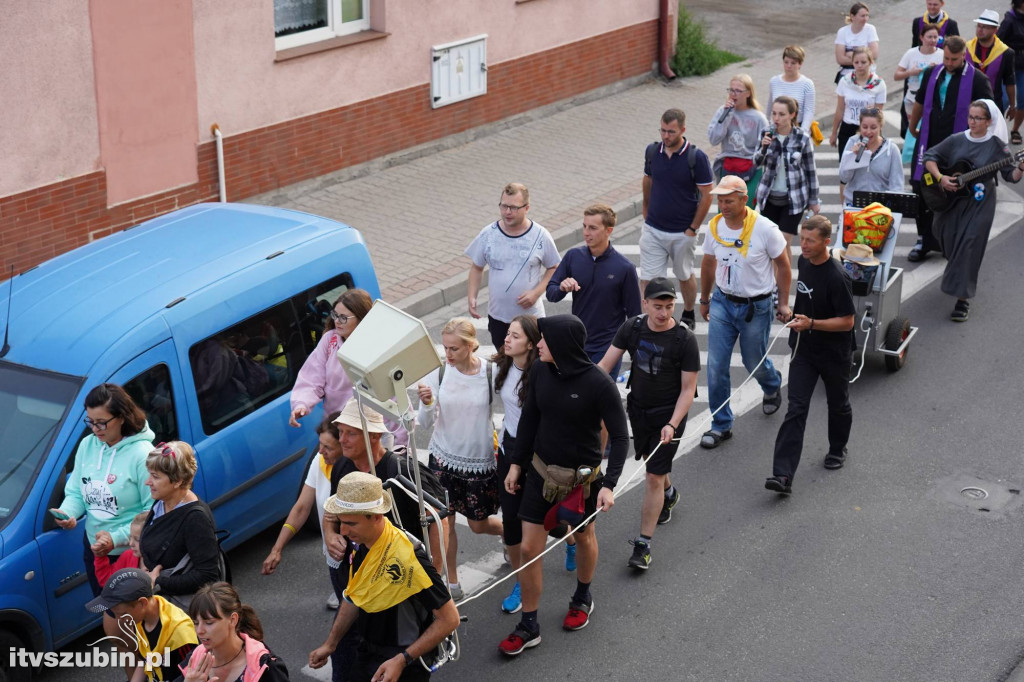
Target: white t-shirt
{"type": "Point", "coordinates": [510, 399]}
{"type": "Point", "coordinates": [321, 485]}
{"type": "Point", "coordinates": [846, 37]}
{"type": "Point", "coordinates": [857, 98]}
{"type": "Point", "coordinates": [517, 265]}
{"type": "Point", "coordinates": [914, 58]}
{"type": "Point", "coordinates": [753, 275]}
{"type": "Point", "coordinates": [463, 437]}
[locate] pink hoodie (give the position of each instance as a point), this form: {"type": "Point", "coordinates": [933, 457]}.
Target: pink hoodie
{"type": "Point", "coordinates": [257, 659]}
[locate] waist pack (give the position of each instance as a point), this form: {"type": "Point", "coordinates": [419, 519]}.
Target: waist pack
{"type": "Point", "coordinates": [560, 481]}
{"type": "Point", "coordinates": [871, 225]}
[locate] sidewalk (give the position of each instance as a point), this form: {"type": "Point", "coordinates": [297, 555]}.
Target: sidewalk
{"type": "Point", "coordinates": [418, 216]}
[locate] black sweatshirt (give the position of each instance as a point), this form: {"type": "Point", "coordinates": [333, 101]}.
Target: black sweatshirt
{"type": "Point", "coordinates": [566, 402]}
{"type": "Point", "coordinates": [186, 529]}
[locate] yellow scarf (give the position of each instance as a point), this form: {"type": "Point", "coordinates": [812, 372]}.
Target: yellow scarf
{"type": "Point", "coordinates": [942, 22]}
{"type": "Point", "coordinates": [389, 574]}
{"type": "Point", "coordinates": [325, 468]}
{"type": "Point", "coordinates": [743, 243]}
{"type": "Point", "coordinates": [998, 47]}
{"type": "Point", "coordinates": [176, 630]}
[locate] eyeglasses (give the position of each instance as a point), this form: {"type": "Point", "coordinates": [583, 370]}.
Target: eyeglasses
{"type": "Point", "coordinates": [510, 207]}
{"type": "Point", "coordinates": [338, 317]}
{"type": "Point", "coordinates": [733, 91]}
{"type": "Point", "coordinates": [166, 450]}
{"type": "Point", "coordinates": [978, 118]}
{"type": "Point", "coordinates": [99, 424]}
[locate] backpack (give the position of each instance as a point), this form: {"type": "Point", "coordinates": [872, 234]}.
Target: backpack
{"type": "Point", "coordinates": [634, 343]}
{"type": "Point", "coordinates": [691, 160]}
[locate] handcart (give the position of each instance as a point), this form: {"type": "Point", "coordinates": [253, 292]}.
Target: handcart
{"type": "Point", "coordinates": [878, 291]}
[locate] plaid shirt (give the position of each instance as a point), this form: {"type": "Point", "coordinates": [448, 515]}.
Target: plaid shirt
{"type": "Point", "coordinates": [796, 154]}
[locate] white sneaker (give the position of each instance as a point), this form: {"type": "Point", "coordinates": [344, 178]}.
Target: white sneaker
{"type": "Point", "coordinates": [332, 602]}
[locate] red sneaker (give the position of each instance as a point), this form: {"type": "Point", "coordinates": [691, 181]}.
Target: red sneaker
{"type": "Point", "coordinates": [520, 639]}
{"type": "Point", "coordinates": [578, 616]}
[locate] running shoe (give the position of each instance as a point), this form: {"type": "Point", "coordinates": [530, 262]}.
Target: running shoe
{"type": "Point", "coordinates": [641, 558]}
{"type": "Point", "coordinates": [332, 602]}
{"type": "Point", "coordinates": [666, 509]}
{"type": "Point", "coordinates": [513, 603]}
{"type": "Point", "coordinates": [520, 639]}
{"type": "Point", "coordinates": [578, 616]}
{"type": "Point", "coordinates": [570, 558]}
{"type": "Point", "coordinates": [456, 592]}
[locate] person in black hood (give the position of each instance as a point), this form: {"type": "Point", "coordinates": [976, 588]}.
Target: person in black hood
{"type": "Point", "coordinates": [560, 433]}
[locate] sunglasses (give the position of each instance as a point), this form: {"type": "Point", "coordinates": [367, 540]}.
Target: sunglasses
{"type": "Point", "coordinates": [166, 450]}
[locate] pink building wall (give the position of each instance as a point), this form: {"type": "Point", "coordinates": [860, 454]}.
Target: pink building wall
{"type": "Point", "coordinates": [241, 87]}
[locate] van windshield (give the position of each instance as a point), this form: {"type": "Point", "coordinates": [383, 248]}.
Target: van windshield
{"type": "Point", "coordinates": [32, 406]}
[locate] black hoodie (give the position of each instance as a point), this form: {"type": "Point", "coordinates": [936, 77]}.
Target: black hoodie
{"type": "Point", "coordinates": [567, 401]}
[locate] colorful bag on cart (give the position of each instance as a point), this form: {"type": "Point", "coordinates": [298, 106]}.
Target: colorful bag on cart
{"type": "Point", "coordinates": [870, 225]}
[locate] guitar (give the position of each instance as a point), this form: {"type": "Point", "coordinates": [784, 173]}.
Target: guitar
{"type": "Point", "coordinates": [939, 200]}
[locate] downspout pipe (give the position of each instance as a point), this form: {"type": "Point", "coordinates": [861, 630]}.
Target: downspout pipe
{"type": "Point", "coordinates": [219, 138]}
{"type": "Point", "coordinates": [665, 32]}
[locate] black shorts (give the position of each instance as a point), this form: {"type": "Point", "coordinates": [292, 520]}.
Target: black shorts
{"type": "Point", "coordinates": [475, 496]}
{"type": "Point", "coordinates": [647, 425]}
{"type": "Point", "coordinates": [533, 507]}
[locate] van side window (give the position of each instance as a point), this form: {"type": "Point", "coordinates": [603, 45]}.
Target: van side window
{"type": "Point", "coordinates": [314, 307]}
{"type": "Point", "coordinates": [246, 366]}
{"type": "Point", "coordinates": [151, 391]}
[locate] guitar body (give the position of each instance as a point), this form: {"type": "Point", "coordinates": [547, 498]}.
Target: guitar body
{"type": "Point", "coordinates": [937, 199]}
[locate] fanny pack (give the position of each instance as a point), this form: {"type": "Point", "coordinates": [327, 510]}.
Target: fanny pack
{"type": "Point", "coordinates": [736, 166]}
{"type": "Point", "coordinates": [560, 481]}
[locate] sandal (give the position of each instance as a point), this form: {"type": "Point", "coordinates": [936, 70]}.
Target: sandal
{"type": "Point", "coordinates": [1015, 137]}
{"type": "Point", "coordinates": [711, 439]}
{"type": "Point", "coordinates": [961, 311]}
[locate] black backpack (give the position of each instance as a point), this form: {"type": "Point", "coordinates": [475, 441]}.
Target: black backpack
{"type": "Point", "coordinates": [677, 343]}
{"type": "Point", "coordinates": [691, 160]}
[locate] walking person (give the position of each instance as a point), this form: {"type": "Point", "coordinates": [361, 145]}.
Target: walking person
{"type": "Point", "coordinates": [662, 385]}
{"type": "Point", "coordinates": [935, 15]}
{"type": "Point", "coordinates": [1011, 32]}
{"type": "Point", "coordinates": [995, 59]}
{"type": "Point", "coordinates": [789, 183]}
{"type": "Point", "coordinates": [870, 162]}
{"type": "Point", "coordinates": [861, 89]}
{"type": "Point", "coordinates": [558, 445]}
{"type": "Point", "coordinates": [962, 231]}
{"type": "Point", "coordinates": [821, 336]}
{"type": "Point", "coordinates": [792, 83]}
{"type": "Point", "coordinates": [456, 402]}
{"type": "Point", "coordinates": [512, 382]}
{"type": "Point", "coordinates": [745, 257]}
{"type": "Point", "coordinates": [737, 126]}
{"type": "Point", "coordinates": [855, 34]}
{"type": "Point", "coordinates": [522, 257]}
{"type": "Point", "coordinates": [911, 65]}
{"type": "Point", "coordinates": [677, 179]}
{"type": "Point", "coordinates": [941, 110]}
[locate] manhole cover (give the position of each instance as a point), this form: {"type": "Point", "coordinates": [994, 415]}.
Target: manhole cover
{"type": "Point", "coordinates": [974, 493]}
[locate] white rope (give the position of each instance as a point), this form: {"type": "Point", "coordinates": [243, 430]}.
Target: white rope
{"type": "Point", "coordinates": [864, 350]}
{"type": "Point", "coordinates": [625, 485]}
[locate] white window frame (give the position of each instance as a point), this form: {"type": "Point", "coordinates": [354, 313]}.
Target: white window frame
{"type": "Point", "coordinates": [335, 27]}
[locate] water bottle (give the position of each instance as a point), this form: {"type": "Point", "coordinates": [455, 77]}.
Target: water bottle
{"type": "Point", "coordinates": [624, 377]}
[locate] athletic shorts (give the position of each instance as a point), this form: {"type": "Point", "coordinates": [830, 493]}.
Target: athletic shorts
{"type": "Point", "coordinates": [475, 496]}
{"type": "Point", "coordinates": [534, 507]}
{"type": "Point", "coordinates": [647, 425]}
{"type": "Point", "coordinates": [658, 248]}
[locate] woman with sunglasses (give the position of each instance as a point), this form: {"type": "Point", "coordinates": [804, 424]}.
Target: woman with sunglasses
{"type": "Point", "coordinates": [322, 377]}
{"type": "Point", "coordinates": [108, 482]}
{"type": "Point", "coordinates": [870, 162]}
{"type": "Point", "coordinates": [862, 89]}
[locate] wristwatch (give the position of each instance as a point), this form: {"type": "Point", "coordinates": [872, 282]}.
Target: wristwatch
{"type": "Point", "coordinates": [407, 657]}
{"type": "Point", "coordinates": [705, 301]}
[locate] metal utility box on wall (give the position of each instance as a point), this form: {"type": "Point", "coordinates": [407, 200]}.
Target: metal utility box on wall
{"type": "Point", "coordinates": [458, 71]}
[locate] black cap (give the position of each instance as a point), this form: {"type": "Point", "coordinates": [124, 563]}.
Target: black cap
{"type": "Point", "coordinates": [660, 287]}
{"type": "Point", "coordinates": [125, 585]}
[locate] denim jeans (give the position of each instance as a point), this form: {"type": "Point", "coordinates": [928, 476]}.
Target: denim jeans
{"type": "Point", "coordinates": [727, 322]}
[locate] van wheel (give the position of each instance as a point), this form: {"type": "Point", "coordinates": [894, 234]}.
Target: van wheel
{"type": "Point", "coordinates": [8, 641]}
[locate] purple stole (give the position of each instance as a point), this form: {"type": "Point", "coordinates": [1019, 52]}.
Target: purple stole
{"type": "Point", "coordinates": [942, 29]}
{"type": "Point", "coordinates": [963, 106]}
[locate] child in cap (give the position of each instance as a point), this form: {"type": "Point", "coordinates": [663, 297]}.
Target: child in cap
{"type": "Point", "coordinates": [158, 624]}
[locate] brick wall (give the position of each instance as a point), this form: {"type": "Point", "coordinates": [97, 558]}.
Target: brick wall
{"type": "Point", "coordinates": [41, 223]}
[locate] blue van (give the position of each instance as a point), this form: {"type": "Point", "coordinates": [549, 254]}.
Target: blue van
{"type": "Point", "coordinates": [154, 308]}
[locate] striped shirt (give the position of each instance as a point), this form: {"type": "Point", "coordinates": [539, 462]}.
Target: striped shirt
{"type": "Point", "coordinates": [802, 91]}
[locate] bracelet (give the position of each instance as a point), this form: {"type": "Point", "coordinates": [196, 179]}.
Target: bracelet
{"type": "Point", "coordinates": [812, 325]}
{"type": "Point", "coordinates": [407, 657]}
{"type": "Point", "coordinates": [705, 301]}
{"type": "Point", "coordinates": [291, 528]}
{"type": "Point", "coordinates": [670, 424]}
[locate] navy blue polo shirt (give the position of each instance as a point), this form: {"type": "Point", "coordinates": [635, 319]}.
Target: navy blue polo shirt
{"type": "Point", "coordinates": [674, 194]}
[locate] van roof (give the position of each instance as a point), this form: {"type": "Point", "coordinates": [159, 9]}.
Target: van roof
{"type": "Point", "coordinates": [69, 309]}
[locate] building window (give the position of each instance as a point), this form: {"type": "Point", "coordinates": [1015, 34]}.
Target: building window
{"type": "Point", "coordinates": [300, 22]}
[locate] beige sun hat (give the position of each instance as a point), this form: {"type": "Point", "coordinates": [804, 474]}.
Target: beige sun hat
{"type": "Point", "coordinates": [358, 493]}
{"type": "Point", "coordinates": [861, 254]}
{"type": "Point", "coordinates": [350, 417]}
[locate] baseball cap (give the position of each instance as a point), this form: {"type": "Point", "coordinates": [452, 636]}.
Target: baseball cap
{"type": "Point", "coordinates": [730, 184]}
{"type": "Point", "coordinates": [125, 585]}
{"type": "Point", "coordinates": [988, 17]}
{"type": "Point", "coordinates": [660, 287]}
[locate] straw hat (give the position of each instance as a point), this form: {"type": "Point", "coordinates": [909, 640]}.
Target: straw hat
{"type": "Point", "coordinates": [358, 493]}
{"type": "Point", "coordinates": [861, 254]}
{"type": "Point", "coordinates": [350, 417]}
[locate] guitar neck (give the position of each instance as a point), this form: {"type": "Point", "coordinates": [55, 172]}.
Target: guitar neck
{"type": "Point", "coordinates": [977, 173]}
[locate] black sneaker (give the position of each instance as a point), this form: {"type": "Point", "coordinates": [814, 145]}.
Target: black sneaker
{"type": "Point", "coordinates": [666, 509]}
{"type": "Point", "coordinates": [689, 319]}
{"type": "Point", "coordinates": [780, 484]}
{"type": "Point", "coordinates": [835, 460]}
{"type": "Point", "coordinates": [918, 253]}
{"type": "Point", "coordinates": [641, 558]}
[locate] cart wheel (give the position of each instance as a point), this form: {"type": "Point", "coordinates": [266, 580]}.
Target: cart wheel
{"type": "Point", "coordinates": [895, 334]}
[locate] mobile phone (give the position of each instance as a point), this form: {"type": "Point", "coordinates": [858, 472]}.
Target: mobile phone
{"type": "Point", "coordinates": [58, 514]}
